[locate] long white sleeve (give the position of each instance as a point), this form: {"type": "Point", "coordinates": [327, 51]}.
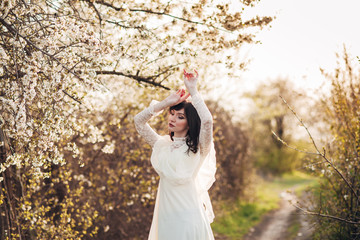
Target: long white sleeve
{"type": "Point", "coordinates": [143, 127]}
{"type": "Point", "coordinates": [206, 128]}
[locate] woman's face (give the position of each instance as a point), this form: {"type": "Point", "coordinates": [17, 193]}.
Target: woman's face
{"type": "Point", "coordinates": [177, 123]}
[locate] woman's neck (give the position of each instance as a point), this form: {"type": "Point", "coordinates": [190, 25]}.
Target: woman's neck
{"type": "Point", "coordinates": [179, 136]}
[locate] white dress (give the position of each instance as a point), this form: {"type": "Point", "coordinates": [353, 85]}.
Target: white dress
{"type": "Point", "coordinates": [183, 209]}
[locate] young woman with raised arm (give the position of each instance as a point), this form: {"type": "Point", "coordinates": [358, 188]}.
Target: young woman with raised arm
{"type": "Point", "coordinates": [185, 162]}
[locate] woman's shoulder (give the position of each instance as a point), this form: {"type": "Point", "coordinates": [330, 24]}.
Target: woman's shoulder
{"type": "Point", "coordinates": [163, 139]}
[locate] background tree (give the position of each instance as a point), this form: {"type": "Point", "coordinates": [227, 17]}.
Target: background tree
{"type": "Point", "coordinates": [271, 115]}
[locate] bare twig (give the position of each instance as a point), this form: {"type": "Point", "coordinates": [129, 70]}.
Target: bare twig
{"type": "Point", "coordinates": [302, 123]}
{"type": "Point", "coordinates": [294, 148]}
{"type": "Point", "coordinates": [149, 79]}
{"type": "Point", "coordinates": [91, 4]}
{"type": "Point", "coordinates": [326, 216]}
{"type": "Point", "coordinates": [72, 97]}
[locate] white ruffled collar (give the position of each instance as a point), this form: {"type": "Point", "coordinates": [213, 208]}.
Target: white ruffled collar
{"type": "Point", "coordinates": [177, 142]}
{"type": "Point", "coordinates": [179, 139]}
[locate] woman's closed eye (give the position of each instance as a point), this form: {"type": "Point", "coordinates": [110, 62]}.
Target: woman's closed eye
{"type": "Point", "coordinates": [178, 115]}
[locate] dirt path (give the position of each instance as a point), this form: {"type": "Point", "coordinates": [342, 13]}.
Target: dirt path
{"type": "Point", "coordinates": [274, 225]}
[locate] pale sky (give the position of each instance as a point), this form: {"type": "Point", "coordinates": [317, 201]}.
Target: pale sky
{"type": "Point", "coordinates": [305, 36]}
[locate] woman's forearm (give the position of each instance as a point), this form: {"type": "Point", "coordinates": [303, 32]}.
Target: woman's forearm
{"type": "Point", "coordinates": [171, 100]}
{"type": "Point", "coordinates": [202, 110]}
{"type": "Point", "coordinates": [143, 127]}
{"type": "Point", "coordinates": [206, 129]}
{"type": "Point", "coordinates": [159, 106]}
{"type": "Point", "coordinates": [193, 91]}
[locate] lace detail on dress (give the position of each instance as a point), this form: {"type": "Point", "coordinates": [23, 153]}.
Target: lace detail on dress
{"type": "Point", "coordinates": [206, 129]}
{"type": "Point", "coordinates": [143, 127]}
{"type": "Point", "coordinates": [177, 142]}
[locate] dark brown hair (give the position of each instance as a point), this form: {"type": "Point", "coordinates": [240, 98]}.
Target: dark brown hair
{"type": "Point", "coordinates": [194, 122]}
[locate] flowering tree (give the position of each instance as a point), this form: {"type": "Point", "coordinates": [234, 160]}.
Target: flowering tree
{"type": "Point", "coordinates": [55, 55]}
{"type": "Point", "coordinates": [269, 115]}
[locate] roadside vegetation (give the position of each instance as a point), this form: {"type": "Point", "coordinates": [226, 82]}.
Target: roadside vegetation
{"type": "Point", "coordinates": [239, 217]}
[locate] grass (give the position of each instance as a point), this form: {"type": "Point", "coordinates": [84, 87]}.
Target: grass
{"type": "Point", "coordinates": [238, 217]}
{"type": "Point", "coordinates": [293, 229]}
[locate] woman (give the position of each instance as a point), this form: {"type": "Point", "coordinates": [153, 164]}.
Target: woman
{"type": "Point", "coordinates": [185, 162]}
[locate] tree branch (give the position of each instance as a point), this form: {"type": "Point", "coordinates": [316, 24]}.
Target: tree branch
{"type": "Point", "coordinates": [96, 10]}
{"type": "Point", "coordinates": [159, 13]}
{"type": "Point", "coordinates": [148, 80]}
{"type": "Point", "coordinates": [326, 216]}
{"type": "Point", "coordinates": [72, 97]}
{"type": "Point", "coordinates": [294, 148]}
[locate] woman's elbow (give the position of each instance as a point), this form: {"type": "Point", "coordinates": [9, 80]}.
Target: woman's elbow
{"type": "Point", "coordinates": [136, 119]}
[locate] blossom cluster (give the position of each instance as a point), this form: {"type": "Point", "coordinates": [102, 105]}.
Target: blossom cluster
{"type": "Point", "coordinates": [48, 66]}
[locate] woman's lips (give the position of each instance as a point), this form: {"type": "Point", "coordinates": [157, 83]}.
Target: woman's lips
{"type": "Point", "coordinates": [171, 125]}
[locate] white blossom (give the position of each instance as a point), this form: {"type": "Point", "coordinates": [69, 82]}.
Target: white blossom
{"type": "Point", "coordinates": [109, 148]}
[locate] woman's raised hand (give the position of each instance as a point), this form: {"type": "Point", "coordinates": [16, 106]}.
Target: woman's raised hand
{"type": "Point", "coordinates": [190, 81]}
{"type": "Point", "coordinates": [176, 98]}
